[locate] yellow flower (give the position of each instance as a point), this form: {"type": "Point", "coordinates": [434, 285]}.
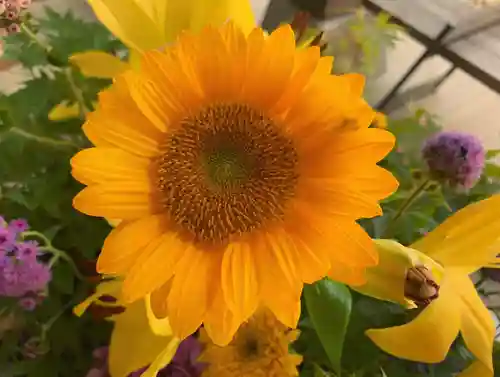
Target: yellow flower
{"type": "Point", "coordinates": [239, 167]}
{"type": "Point", "coordinates": [259, 348]}
{"type": "Point", "coordinates": [380, 120]}
{"type": "Point", "coordinates": [138, 339]}
{"type": "Point", "coordinates": [152, 24]}
{"type": "Point", "coordinates": [64, 111]}
{"type": "Point", "coordinates": [433, 273]}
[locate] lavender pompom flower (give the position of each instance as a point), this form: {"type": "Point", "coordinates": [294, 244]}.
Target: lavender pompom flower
{"type": "Point", "coordinates": [21, 273]}
{"type": "Point", "coordinates": [455, 158]}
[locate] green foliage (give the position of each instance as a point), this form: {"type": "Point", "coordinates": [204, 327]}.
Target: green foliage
{"type": "Point", "coordinates": [329, 306]}
{"type": "Point", "coordinates": [35, 183]}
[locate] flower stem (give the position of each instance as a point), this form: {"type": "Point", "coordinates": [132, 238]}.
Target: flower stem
{"type": "Point", "coordinates": [56, 253]}
{"type": "Point", "coordinates": [406, 204]}
{"type": "Point", "coordinates": [68, 70]}
{"type": "Point", "coordinates": [77, 93]}
{"type": "Point", "coordinates": [43, 139]}
{"type": "Point", "coordinates": [26, 30]}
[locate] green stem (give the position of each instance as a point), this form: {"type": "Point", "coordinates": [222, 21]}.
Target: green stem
{"type": "Point", "coordinates": [56, 253]}
{"type": "Point", "coordinates": [68, 70]}
{"type": "Point", "coordinates": [406, 204]}
{"type": "Point", "coordinates": [43, 139]}
{"type": "Point", "coordinates": [77, 93]}
{"type": "Point", "coordinates": [26, 30]}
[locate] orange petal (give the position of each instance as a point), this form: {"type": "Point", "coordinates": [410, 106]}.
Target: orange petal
{"type": "Point", "coordinates": [192, 290]}
{"type": "Point", "coordinates": [101, 165]}
{"type": "Point", "coordinates": [125, 243]}
{"type": "Point", "coordinates": [154, 267]}
{"type": "Point", "coordinates": [221, 323]}
{"type": "Point", "coordinates": [117, 201]}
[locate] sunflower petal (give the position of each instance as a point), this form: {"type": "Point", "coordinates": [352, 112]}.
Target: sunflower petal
{"type": "Point", "coordinates": [127, 20]}
{"type": "Point", "coordinates": [221, 324]}
{"type": "Point", "coordinates": [133, 344]}
{"type": "Point", "coordinates": [159, 326]}
{"type": "Point", "coordinates": [99, 64]}
{"type": "Point", "coordinates": [428, 337]}
{"type": "Point", "coordinates": [154, 267]}
{"type": "Point", "coordinates": [115, 200]}
{"type": "Point", "coordinates": [191, 293]}
{"type": "Point", "coordinates": [239, 280]}
{"type": "Point", "coordinates": [101, 165]}
{"type": "Point", "coordinates": [124, 244]}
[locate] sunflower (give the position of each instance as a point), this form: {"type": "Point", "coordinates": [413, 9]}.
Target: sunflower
{"type": "Point", "coordinates": [433, 274]}
{"type": "Point", "coordinates": [239, 166]}
{"type": "Point", "coordinates": [138, 339]}
{"type": "Point", "coordinates": [148, 24]}
{"type": "Point", "coordinates": [259, 348]}
{"type": "Point", "coordinates": [153, 24]}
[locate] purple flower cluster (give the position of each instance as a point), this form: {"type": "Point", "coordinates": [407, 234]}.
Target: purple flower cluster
{"type": "Point", "coordinates": [22, 275]}
{"type": "Point", "coordinates": [455, 158]}
{"type": "Point", "coordinates": [184, 363]}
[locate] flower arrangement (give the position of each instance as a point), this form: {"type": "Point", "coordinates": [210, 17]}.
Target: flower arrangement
{"type": "Point", "coordinates": [210, 199]}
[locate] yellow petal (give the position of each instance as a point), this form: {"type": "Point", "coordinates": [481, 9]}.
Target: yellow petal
{"type": "Point", "coordinates": [163, 359]}
{"type": "Point", "coordinates": [428, 337]}
{"type": "Point", "coordinates": [64, 111]}
{"type": "Point", "coordinates": [160, 326]}
{"type": "Point", "coordinates": [193, 15]}
{"type": "Point", "coordinates": [478, 329]}
{"type": "Point", "coordinates": [110, 287]}
{"type": "Point", "coordinates": [239, 280]}
{"type": "Point", "coordinates": [134, 345]}
{"type": "Point", "coordinates": [129, 202]}
{"type": "Point", "coordinates": [221, 324]}
{"type": "Point", "coordinates": [380, 120]}
{"type": "Point", "coordinates": [468, 238]}
{"type": "Point", "coordinates": [101, 165]}
{"type": "Point", "coordinates": [386, 281]}
{"type": "Point", "coordinates": [99, 64]}
{"type": "Point", "coordinates": [127, 20]}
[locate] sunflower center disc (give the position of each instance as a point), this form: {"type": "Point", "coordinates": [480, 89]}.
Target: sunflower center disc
{"type": "Point", "coordinates": [225, 171]}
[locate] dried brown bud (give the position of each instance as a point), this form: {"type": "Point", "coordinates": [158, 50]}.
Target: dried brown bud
{"type": "Point", "coordinates": [299, 24]}
{"type": "Point", "coordinates": [420, 286]}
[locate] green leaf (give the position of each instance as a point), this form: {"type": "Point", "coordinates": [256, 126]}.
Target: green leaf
{"type": "Point", "coordinates": [63, 278]}
{"type": "Point", "coordinates": [329, 306]}
{"type": "Point", "coordinates": [492, 153]}
{"type": "Point", "coordinates": [318, 372]}
{"type": "Point", "coordinates": [492, 170]}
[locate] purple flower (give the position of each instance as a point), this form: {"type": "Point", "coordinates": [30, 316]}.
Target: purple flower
{"type": "Point", "coordinates": [18, 226]}
{"type": "Point", "coordinates": [21, 274]}
{"type": "Point", "coordinates": [184, 363]}
{"type": "Point", "coordinates": [455, 158]}
{"type": "Point", "coordinates": [7, 239]}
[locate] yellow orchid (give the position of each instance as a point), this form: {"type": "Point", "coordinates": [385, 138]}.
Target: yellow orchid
{"type": "Point", "coordinates": [151, 24]}
{"type": "Point", "coordinates": [138, 339]}
{"type": "Point", "coordinates": [433, 273]}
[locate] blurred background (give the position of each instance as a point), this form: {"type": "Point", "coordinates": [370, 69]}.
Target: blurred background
{"type": "Point", "coordinates": [454, 46]}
